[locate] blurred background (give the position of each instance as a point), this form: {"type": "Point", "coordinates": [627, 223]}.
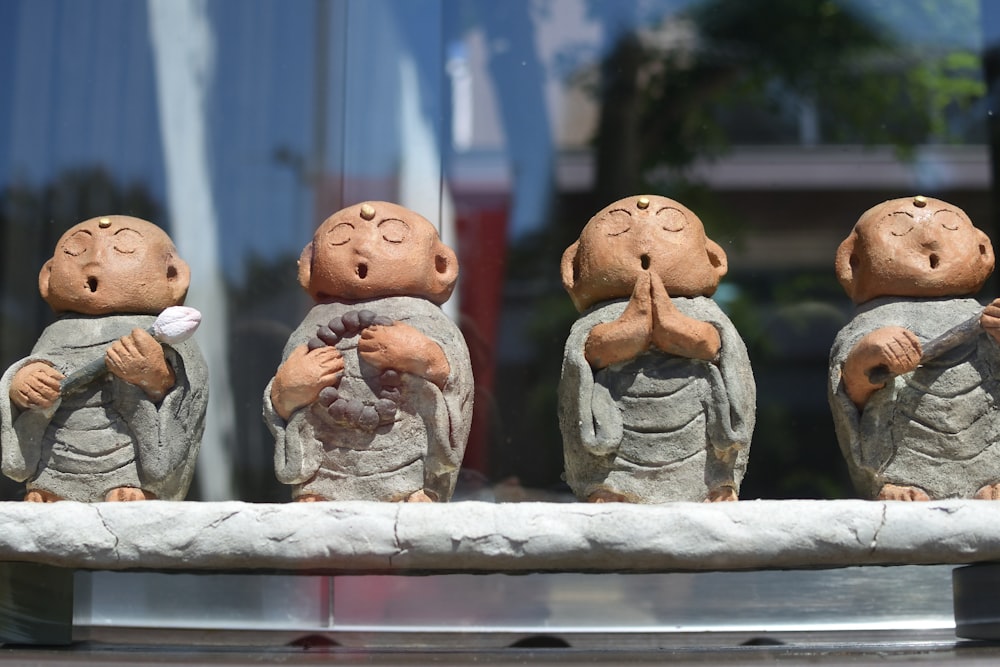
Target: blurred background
{"type": "Point", "coordinates": [239, 125]}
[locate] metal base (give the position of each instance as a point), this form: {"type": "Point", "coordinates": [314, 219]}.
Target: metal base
{"type": "Point", "coordinates": [977, 604]}
{"type": "Point", "coordinates": [36, 604]}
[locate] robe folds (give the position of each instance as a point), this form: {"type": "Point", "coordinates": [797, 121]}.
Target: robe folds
{"type": "Point", "coordinates": [421, 449]}
{"type": "Point", "coordinates": [109, 434]}
{"type": "Point", "coordinates": [658, 427]}
{"type": "Point", "coordinates": [937, 427]}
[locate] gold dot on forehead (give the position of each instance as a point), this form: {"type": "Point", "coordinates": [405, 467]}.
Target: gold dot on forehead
{"type": "Point", "coordinates": [104, 223]}
{"type": "Point", "coordinates": [920, 201]}
{"type": "Point", "coordinates": [643, 203]}
{"type": "Point", "coordinates": [367, 211]}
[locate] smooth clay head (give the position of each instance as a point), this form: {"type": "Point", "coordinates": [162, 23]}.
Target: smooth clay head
{"type": "Point", "coordinates": [914, 247]}
{"type": "Point", "coordinates": [636, 234]}
{"type": "Point", "coordinates": [114, 264]}
{"type": "Point", "coordinates": [377, 249]}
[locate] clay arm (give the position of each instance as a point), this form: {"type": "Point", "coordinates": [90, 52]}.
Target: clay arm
{"type": "Point", "coordinates": [676, 333]}
{"type": "Point", "coordinates": [24, 418]}
{"type": "Point", "coordinates": [35, 386]}
{"type": "Point", "coordinates": [893, 348]}
{"type": "Point", "coordinates": [302, 376]}
{"type": "Point", "coordinates": [628, 336]}
{"type": "Point", "coordinates": [138, 359]}
{"type": "Point", "coordinates": [990, 320]}
{"type": "Point", "coordinates": [403, 348]}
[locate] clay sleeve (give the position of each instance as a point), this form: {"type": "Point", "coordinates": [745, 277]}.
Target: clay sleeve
{"type": "Point", "coordinates": [592, 413]}
{"type": "Point", "coordinates": [21, 431]}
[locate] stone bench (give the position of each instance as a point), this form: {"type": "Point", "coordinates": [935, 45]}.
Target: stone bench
{"type": "Point", "coordinates": [484, 538]}
{"type": "Point", "coordinates": [366, 537]}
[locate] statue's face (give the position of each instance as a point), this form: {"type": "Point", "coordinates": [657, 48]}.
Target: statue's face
{"type": "Point", "coordinates": [637, 234]}
{"type": "Point", "coordinates": [377, 249]}
{"type": "Point", "coordinates": [114, 264]}
{"type": "Point", "coordinates": [914, 247]}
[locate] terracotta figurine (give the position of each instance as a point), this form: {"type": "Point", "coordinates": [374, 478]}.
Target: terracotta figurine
{"type": "Point", "coordinates": [373, 398]}
{"type": "Point", "coordinates": [914, 376]}
{"type": "Point", "coordinates": [657, 397]}
{"type": "Point", "coordinates": [131, 428]}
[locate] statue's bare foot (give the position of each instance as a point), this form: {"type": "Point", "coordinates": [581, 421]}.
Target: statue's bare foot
{"type": "Point", "coordinates": [126, 494]}
{"type": "Point", "coordinates": [988, 492]}
{"type": "Point", "coordinates": [40, 496]}
{"type": "Point", "coordinates": [898, 492]}
{"type": "Point", "coordinates": [606, 496]}
{"type": "Point", "coordinates": [309, 498]}
{"type": "Point", "coordinates": [723, 494]}
{"type": "Point", "coordinates": [419, 497]}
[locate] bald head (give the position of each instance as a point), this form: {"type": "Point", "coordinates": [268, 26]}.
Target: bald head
{"type": "Point", "coordinates": [377, 249]}
{"type": "Point", "coordinates": [114, 264]}
{"type": "Point", "coordinates": [914, 247]}
{"type": "Point", "coordinates": [636, 234]}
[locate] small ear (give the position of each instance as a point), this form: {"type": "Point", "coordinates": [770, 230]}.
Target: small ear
{"type": "Point", "coordinates": [717, 257]}
{"type": "Point", "coordinates": [986, 256]}
{"type": "Point", "coordinates": [845, 264]}
{"type": "Point", "coordinates": [305, 266]}
{"type": "Point", "coordinates": [567, 267]}
{"type": "Point", "coordinates": [179, 279]}
{"type": "Point", "coordinates": [445, 273]}
{"type": "Point", "coordinates": [43, 280]}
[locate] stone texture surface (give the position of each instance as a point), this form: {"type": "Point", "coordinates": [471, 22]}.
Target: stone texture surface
{"type": "Point", "coordinates": [934, 427]}
{"type": "Point", "coordinates": [483, 537]}
{"type": "Point", "coordinates": [659, 427]}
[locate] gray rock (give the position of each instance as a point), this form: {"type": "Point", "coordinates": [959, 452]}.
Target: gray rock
{"type": "Point", "coordinates": [937, 428]}
{"type": "Point", "coordinates": [659, 427]}
{"type": "Point", "coordinates": [351, 537]}
{"type": "Point", "coordinates": [318, 453]}
{"type": "Point", "coordinates": [109, 434]}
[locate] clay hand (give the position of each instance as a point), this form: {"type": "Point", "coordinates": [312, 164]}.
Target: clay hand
{"type": "Point", "coordinates": [35, 386]}
{"type": "Point", "coordinates": [676, 333]}
{"type": "Point", "coordinates": [138, 359]}
{"type": "Point", "coordinates": [303, 375]}
{"type": "Point", "coordinates": [990, 320]}
{"type": "Point", "coordinates": [894, 348]}
{"type": "Point", "coordinates": [628, 336]}
{"type": "Point", "coordinates": [403, 348]}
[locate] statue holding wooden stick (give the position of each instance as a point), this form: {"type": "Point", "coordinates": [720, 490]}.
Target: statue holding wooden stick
{"type": "Point", "coordinates": [915, 376]}
{"type": "Point", "coordinates": [110, 405]}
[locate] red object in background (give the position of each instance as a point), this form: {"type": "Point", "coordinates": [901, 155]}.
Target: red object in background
{"type": "Point", "coordinates": [481, 226]}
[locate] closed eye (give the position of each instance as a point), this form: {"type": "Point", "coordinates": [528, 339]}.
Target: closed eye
{"type": "Point", "coordinates": [672, 219]}
{"type": "Point", "coordinates": [394, 230]}
{"type": "Point", "coordinates": [901, 223]}
{"type": "Point", "coordinates": [126, 240]}
{"type": "Point", "coordinates": [78, 243]}
{"type": "Point", "coordinates": [948, 219]}
{"type": "Point", "coordinates": [340, 233]}
{"type": "Point", "coordinates": [617, 222]}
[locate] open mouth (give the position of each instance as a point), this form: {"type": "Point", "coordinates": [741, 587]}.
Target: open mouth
{"type": "Point", "coordinates": [362, 270]}
{"type": "Point", "coordinates": [92, 283]}
{"type": "Point", "coordinates": [934, 260]}
{"type": "Point", "coordinates": [644, 260]}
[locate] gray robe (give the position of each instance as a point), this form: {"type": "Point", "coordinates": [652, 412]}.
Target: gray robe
{"type": "Point", "coordinates": [937, 427]}
{"type": "Point", "coordinates": [658, 427]}
{"type": "Point", "coordinates": [109, 434]}
{"type": "Point", "coordinates": [421, 449]}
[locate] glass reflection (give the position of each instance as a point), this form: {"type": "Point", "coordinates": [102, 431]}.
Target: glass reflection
{"type": "Point", "coordinates": [240, 125]}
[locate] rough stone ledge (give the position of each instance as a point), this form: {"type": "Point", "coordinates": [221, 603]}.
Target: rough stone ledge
{"type": "Point", "coordinates": [484, 537]}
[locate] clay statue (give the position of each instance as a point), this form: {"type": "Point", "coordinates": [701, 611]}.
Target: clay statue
{"type": "Point", "coordinates": [915, 375]}
{"type": "Point", "coordinates": [657, 397]}
{"type": "Point", "coordinates": [373, 398]}
{"type": "Point", "coordinates": [130, 427]}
